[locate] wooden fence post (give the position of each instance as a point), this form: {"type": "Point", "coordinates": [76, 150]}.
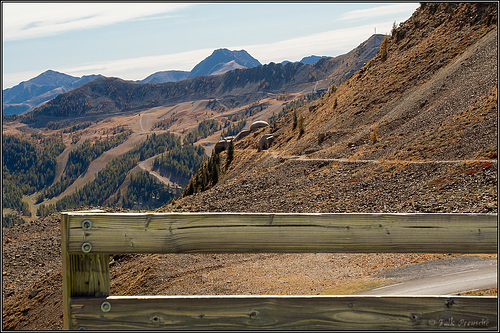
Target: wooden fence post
{"type": "Point", "coordinates": [84, 275]}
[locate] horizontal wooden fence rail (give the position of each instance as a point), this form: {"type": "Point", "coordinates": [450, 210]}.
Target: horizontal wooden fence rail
{"type": "Point", "coordinates": [88, 238]}
{"type": "Point", "coordinates": [270, 233]}
{"type": "Point", "coordinates": [285, 313]}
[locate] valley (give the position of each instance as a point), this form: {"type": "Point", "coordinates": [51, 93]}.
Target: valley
{"type": "Point", "coordinates": [230, 99]}
{"type": "Point", "coordinates": [183, 118]}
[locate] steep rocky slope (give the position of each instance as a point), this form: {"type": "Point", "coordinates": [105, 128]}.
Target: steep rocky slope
{"type": "Point", "coordinates": [418, 126]}
{"type": "Point", "coordinates": [447, 81]}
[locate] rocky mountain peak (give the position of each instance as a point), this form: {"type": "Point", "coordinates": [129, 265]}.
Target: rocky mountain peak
{"type": "Point", "coordinates": [52, 78]}
{"type": "Point", "coordinates": [219, 58]}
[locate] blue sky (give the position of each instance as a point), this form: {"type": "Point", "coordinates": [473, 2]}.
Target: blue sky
{"type": "Point", "coordinates": [133, 40]}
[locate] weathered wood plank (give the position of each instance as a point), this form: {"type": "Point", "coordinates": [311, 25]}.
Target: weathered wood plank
{"type": "Point", "coordinates": [66, 272]}
{"type": "Point", "coordinates": [83, 274]}
{"type": "Point", "coordinates": [286, 313]}
{"type": "Point", "coordinates": [116, 233]}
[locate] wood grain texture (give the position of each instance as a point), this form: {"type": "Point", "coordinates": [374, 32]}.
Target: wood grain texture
{"type": "Point", "coordinates": [116, 233]}
{"type": "Point", "coordinates": [83, 275]}
{"type": "Point", "coordinates": [87, 274]}
{"type": "Point", "coordinates": [66, 272]}
{"type": "Point", "coordinates": [286, 313]}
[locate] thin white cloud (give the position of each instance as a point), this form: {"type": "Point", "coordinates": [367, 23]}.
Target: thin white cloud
{"type": "Point", "coordinates": [140, 68]}
{"type": "Point", "coordinates": [127, 69]}
{"type": "Point", "coordinates": [34, 20]}
{"type": "Point", "coordinates": [328, 43]}
{"type": "Point", "coordinates": [380, 11]}
{"type": "Point", "coordinates": [10, 80]}
{"type": "Point", "coordinates": [149, 18]}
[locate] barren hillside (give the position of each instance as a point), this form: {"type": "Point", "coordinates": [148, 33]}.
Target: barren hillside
{"type": "Point", "coordinates": [442, 74]}
{"type": "Point", "coordinates": [419, 127]}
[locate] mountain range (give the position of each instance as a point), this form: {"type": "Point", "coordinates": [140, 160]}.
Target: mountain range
{"type": "Point", "coordinates": [32, 93]}
{"type": "Point", "coordinates": [219, 62]}
{"type": "Point", "coordinates": [107, 96]}
{"type": "Point", "coordinates": [29, 94]}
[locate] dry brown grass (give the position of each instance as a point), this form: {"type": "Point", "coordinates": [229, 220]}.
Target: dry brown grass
{"type": "Point", "coordinates": [399, 96]}
{"type": "Point", "coordinates": [483, 292]}
{"type": "Point", "coordinates": [354, 287]}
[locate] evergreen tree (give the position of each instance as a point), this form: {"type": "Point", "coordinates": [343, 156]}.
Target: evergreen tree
{"type": "Point", "coordinates": [301, 125]}
{"type": "Point", "coordinates": [29, 165]}
{"type": "Point", "coordinates": [294, 126]}
{"type": "Point", "coordinates": [205, 177]}
{"type": "Point", "coordinates": [230, 154]}
{"type": "Point", "coordinates": [383, 48]}
{"type": "Point", "coordinates": [180, 162]}
{"type": "Point", "coordinates": [109, 179]}
{"type": "Point", "coordinates": [214, 171]}
{"type": "Point", "coordinates": [10, 219]}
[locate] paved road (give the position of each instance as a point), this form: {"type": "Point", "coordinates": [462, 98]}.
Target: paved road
{"type": "Point", "coordinates": [481, 275]}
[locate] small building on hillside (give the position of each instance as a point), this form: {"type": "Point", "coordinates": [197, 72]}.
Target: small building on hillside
{"type": "Point", "coordinates": [258, 124]}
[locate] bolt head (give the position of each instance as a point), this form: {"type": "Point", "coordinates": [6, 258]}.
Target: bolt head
{"type": "Point", "coordinates": [86, 224]}
{"type": "Point", "coordinates": [86, 247]}
{"type": "Point", "coordinates": [105, 306]}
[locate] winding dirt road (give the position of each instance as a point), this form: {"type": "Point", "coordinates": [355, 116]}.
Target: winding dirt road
{"type": "Point", "coordinates": [343, 160]}
{"type": "Point", "coordinates": [146, 165]}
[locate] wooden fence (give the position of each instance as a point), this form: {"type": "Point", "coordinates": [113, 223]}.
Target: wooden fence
{"type": "Point", "coordinates": [88, 238]}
